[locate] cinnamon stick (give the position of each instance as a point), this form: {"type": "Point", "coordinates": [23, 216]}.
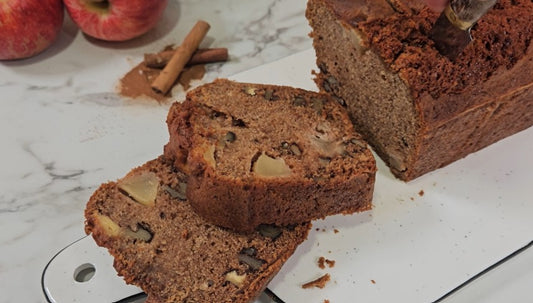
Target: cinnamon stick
{"type": "Point", "coordinates": [203, 55]}
{"type": "Point", "coordinates": [181, 56]}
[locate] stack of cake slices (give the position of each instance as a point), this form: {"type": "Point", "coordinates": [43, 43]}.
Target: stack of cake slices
{"type": "Point", "coordinates": [246, 168]}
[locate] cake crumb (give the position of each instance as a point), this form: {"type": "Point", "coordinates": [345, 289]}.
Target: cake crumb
{"type": "Point", "coordinates": [326, 301]}
{"type": "Point", "coordinates": [421, 193]}
{"type": "Point", "coordinates": [320, 282]}
{"type": "Point", "coordinates": [322, 262]}
{"type": "Point", "coordinates": [373, 281]}
{"type": "Point", "coordinates": [336, 231]}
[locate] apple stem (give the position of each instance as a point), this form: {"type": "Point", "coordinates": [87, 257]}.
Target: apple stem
{"type": "Point", "coordinates": [101, 5]}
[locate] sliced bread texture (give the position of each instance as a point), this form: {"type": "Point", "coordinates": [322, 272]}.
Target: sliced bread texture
{"type": "Point", "coordinates": [265, 154]}
{"type": "Point", "coordinates": [161, 245]}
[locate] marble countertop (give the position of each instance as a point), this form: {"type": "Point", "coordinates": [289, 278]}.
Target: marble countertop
{"type": "Point", "coordinates": [65, 130]}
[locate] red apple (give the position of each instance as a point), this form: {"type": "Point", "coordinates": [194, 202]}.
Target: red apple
{"type": "Point", "coordinates": [27, 27]}
{"type": "Point", "coordinates": [115, 20]}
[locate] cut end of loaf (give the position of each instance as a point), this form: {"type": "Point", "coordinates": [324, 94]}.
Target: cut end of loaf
{"type": "Point", "coordinates": [417, 109]}
{"type": "Point", "coordinates": [379, 102]}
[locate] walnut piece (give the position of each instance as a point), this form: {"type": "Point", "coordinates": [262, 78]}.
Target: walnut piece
{"type": "Point", "coordinates": [139, 234]}
{"type": "Point", "coordinates": [326, 148]}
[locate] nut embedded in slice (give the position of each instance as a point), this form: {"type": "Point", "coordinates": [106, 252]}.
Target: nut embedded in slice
{"type": "Point", "coordinates": [266, 166]}
{"type": "Point", "coordinates": [253, 262]}
{"type": "Point", "coordinates": [318, 105]}
{"type": "Point", "coordinates": [141, 187]}
{"type": "Point", "coordinates": [250, 91]}
{"type": "Point", "coordinates": [234, 278]}
{"type": "Point", "coordinates": [299, 101]}
{"type": "Point", "coordinates": [110, 227]}
{"type": "Point", "coordinates": [327, 149]}
{"type": "Point", "coordinates": [295, 149]}
{"type": "Point", "coordinates": [271, 231]}
{"type": "Point", "coordinates": [140, 234]}
{"type": "Point", "coordinates": [179, 193]}
{"type": "Point", "coordinates": [269, 93]}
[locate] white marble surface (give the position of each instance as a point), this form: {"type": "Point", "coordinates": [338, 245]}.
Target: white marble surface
{"type": "Point", "coordinates": [64, 130]}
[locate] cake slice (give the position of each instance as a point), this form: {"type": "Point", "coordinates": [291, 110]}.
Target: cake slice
{"type": "Point", "coordinates": [264, 154]}
{"type": "Point", "coordinates": [417, 109]}
{"type": "Point", "coordinates": [161, 245]}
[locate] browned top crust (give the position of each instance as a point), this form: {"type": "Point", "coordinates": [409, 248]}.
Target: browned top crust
{"type": "Point", "coordinates": [355, 12]}
{"type": "Point", "coordinates": [399, 34]}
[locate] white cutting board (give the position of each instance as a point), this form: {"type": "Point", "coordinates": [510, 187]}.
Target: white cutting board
{"type": "Point", "coordinates": [414, 247]}
{"type": "Point", "coordinates": [411, 247]}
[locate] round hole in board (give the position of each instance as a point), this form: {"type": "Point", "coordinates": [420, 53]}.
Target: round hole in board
{"type": "Point", "coordinates": [84, 272]}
